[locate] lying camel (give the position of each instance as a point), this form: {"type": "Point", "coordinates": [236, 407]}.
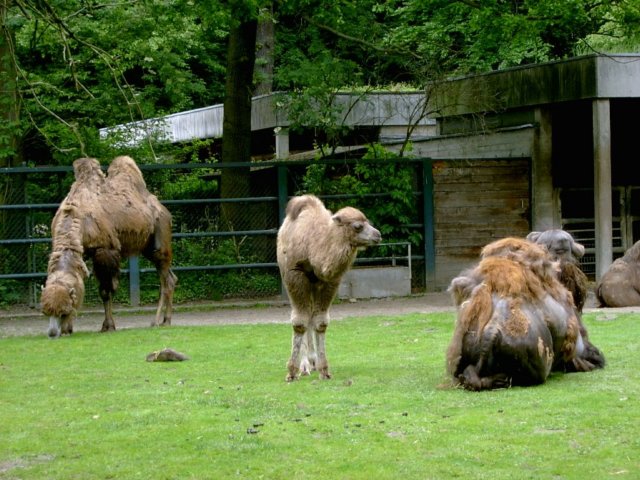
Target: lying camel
{"type": "Point", "coordinates": [620, 284]}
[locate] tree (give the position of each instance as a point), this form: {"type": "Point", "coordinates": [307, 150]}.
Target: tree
{"type": "Point", "coordinates": [9, 107]}
{"type": "Point", "coordinates": [236, 137]}
{"type": "Point", "coordinates": [83, 65]}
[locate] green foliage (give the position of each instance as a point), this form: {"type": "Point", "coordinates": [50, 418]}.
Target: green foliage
{"type": "Point", "coordinates": [384, 176]}
{"type": "Point", "coordinates": [11, 292]}
{"type": "Point", "coordinates": [89, 406]}
{"type": "Point", "coordinates": [82, 67]}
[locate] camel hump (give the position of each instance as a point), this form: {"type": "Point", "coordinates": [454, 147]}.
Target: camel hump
{"type": "Point", "coordinates": [297, 204]}
{"type": "Point", "coordinates": [87, 169]}
{"type": "Point", "coordinates": [125, 165]}
{"type": "Point", "coordinates": [124, 171]}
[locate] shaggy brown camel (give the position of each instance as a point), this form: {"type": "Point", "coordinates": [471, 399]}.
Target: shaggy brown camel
{"type": "Point", "coordinates": [620, 284]}
{"type": "Point", "coordinates": [516, 321]}
{"type": "Point", "coordinates": [118, 218]}
{"type": "Point", "coordinates": [314, 250]}
{"type": "Point", "coordinates": [567, 252]}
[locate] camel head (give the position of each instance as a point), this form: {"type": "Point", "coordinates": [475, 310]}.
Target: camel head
{"type": "Point", "coordinates": [59, 304]}
{"type": "Point", "coordinates": [360, 232]}
{"type": "Point", "coordinates": [559, 243]}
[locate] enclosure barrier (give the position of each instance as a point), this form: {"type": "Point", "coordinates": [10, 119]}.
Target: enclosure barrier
{"type": "Point", "coordinates": [219, 257]}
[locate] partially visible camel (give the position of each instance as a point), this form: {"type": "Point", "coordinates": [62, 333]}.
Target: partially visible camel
{"type": "Point", "coordinates": [620, 284]}
{"type": "Point", "coordinates": [567, 252]}
{"type": "Point", "coordinates": [314, 250]}
{"type": "Point", "coordinates": [516, 321]}
{"type": "Point", "coordinates": [117, 217]}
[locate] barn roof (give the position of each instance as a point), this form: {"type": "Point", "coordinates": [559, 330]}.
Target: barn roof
{"type": "Point", "coordinates": [581, 78]}
{"type": "Point", "coordinates": [269, 112]}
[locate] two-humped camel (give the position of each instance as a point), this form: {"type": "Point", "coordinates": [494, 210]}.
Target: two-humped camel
{"type": "Point", "coordinates": [105, 219]}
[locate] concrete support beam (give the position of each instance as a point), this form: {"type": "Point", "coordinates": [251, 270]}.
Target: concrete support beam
{"type": "Point", "coordinates": [602, 185]}
{"type": "Point", "coordinates": [282, 142]}
{"type": "Point", "coordinates": [545, 213]}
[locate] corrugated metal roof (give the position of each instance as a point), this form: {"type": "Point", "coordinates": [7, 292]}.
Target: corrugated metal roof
{"type": "Point", "coordinates": [269, 111]}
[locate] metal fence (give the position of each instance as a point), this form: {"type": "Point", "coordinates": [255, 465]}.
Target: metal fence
{"type": "Point", "coordinates": [223, 241]}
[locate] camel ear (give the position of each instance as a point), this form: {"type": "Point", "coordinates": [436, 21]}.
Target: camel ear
{"type": "Point", "coordinates": [337, 219]}
{"type": "Point", "coordinates": [577, 249]}
{"type": "Point", "coordinates": [533, 236]}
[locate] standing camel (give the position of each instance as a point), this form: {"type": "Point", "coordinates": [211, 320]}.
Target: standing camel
{"type": "Point", "coordinates": [314, 249]}
{"type": "Point", "coordinates": [118, 218]}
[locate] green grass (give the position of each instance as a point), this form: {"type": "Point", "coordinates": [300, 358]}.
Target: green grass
{"type": "Point", "coordinates": [90, 407]}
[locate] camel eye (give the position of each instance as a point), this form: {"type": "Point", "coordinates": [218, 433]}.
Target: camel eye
{"type": "Point", "coordinates": [358, 226]}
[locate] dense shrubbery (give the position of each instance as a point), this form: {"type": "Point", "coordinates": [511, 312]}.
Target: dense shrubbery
{"type": "Point", "coordinates": [394, 213]}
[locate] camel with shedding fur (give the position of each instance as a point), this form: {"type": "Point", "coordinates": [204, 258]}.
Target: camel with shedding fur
{"type": "Point", "coordinates": [516, 321]}
{"type": "Point", "coordinates": [117, 217]}
{"type": "Point", "coordinates": [567, 252]}
{"type": "Point", "coordinates": [63, 292]}
{"type": "Point", "coordinates": [620, 284]}
{"type": "Point", "coordinates": [315, 248]}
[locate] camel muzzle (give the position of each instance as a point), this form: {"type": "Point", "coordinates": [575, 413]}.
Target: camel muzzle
{"type": "Point", "coordinates": [54, 327]}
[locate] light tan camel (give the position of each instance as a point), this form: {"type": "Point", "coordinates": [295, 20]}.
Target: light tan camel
{"type": "Point", "coordinates": [314, 250]}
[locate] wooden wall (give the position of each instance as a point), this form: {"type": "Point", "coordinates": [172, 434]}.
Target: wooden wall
{"type": "Point", "coordinates": [477, 202]}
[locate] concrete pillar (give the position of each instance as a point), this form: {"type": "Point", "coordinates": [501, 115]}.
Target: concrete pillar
{"type": "Point", "coordinates": [282, 142]}
{"type": "Point", "coordinates": [602, 185]}
{"type": "Point", "coordinates": [545, 213]}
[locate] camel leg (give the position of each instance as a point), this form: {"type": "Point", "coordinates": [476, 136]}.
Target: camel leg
{"type": "Point", "coordinates": [167, 286]}
{"type": "Point", "coordinates": [108, 285]}
{"type": "Point", "coordinates": [324, 295]}
{"type": "Point", "coordinates": [308, 352]}
{"type": "Point", "coordinates": [471, 380]}
{"type": "Point", "coordinates": [106, 267]}
{"type": "Point", "coordinates": [108, 325]}
{"type": "Point", "coordinates": [321, 322]}
{"type": "Point", "coordinates": [299, 321]}
{"type": "Point", "coordinates": [66, 327]}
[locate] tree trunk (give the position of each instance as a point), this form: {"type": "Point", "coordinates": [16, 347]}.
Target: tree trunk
{"type": "Point", "coordinates": [265, 43]}
{"type": "Point", "coordinates": [10, 191]}
{"type": "Point", "coordinates": [8, 95]}
{"type": "Point", "coordinates": [12, 222]}
{"type": "Point", "coordinates": [236, 136]}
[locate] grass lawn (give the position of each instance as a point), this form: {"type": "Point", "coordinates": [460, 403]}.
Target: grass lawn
{"type": "Point", "coordinates": [90, 407]}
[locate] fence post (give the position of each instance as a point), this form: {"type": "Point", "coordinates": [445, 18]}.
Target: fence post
{"type": "Point", "coordinates": [283, 198]}
{"type": "Point", "coordinates": [428, 225]}
{"type": "Point", "coordinates": [283, 194]}
{"type": "Point", "coordinates": [134, 281]}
